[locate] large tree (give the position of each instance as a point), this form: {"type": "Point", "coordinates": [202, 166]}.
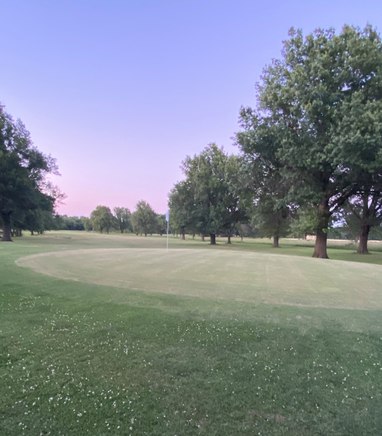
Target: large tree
{"type": "Point", "coordinates": [362, 212]}
{"type": "Point", "coordinates": [321, 107]}
{"type": "Point", "coordinates": [23, 171]}
{"type": "Point", "coordinates": [210, 200]}
{"type": "Point", "coordinates": [123, 217]}
{"type": "Point", "coordinates": [181, 200]}
{"type": "Point", "coordinates": [270, 211]}
{"type": "Point", "coordinates": [236, 199]}
{"type": "Point", "coordinates": [144, 219]}
{"type": "Point", "coordinates": [102, 219]}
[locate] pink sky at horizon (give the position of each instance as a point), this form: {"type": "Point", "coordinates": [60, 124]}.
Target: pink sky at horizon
{"type": "Point", "coordinates": [121, 92]}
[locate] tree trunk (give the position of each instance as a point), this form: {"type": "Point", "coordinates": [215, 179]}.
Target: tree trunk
{"type": "Point", "coordinates": [363, 239]}
{"type": "Point", "coordinates": [320, 247]}
{"type": "Point", "coordinates": [212, 239]}
{"type": "Point", "coordinates": [276, 239]}
{"type": "Point", "coordinates": [203, 238]}
{"type": "Point", "coordinates": [229, 239]}
{"type": "Point", "coordinates": [6, 227]}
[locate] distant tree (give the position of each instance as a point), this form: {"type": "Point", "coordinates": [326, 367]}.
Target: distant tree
{"type": "Point", "coordinates": [64, 222]}
{"type": "Point", "coordinates": [161, 227]}
{"type": "Point", "coordinates": [38, 221]}
{"type": "Point", "coordinates": [321, 106]}
{"type": "Point", "coordinates": [144, 219]}
{"type": "Point", "coordinates": [23, 170]}
{"type": "Point", "coordinates": [123, 218]}
{"type": "Point", "coordinates": [362, 212]}
{"type": "Point", "coordinates": [87, 223]}
{"type": "Point", "coordinates": [304, 222]}
{"type": "Point", "coordinates": [181, 204]}
{"type": "Point", "coordinates": [272, 219]}
{"type": "Point", "coordinates": [246, 230]}
{"type": "Point", "coordinates": [102, 219]}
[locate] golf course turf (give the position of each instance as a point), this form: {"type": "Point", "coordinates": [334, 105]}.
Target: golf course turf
{"type": "Point", "coordinates": [115, 334]}
{"type": "Point", "coordinates": [233, 275]}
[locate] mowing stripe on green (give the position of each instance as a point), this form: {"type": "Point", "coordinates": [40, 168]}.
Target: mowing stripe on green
{"type": "Point", "coordinates": [237, 275]}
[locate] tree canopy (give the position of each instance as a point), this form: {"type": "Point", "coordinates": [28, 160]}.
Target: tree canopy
{"type": "Point", "coordinates": [102, 219]}
{"type": "Point", "coordinates": [210, 199]}
{"type": "Point", "coordinates": [23, 171]}
{"type": "Point", "coordinates": [123, 218]}
{"type": "Point", "coordinates": [144, 219]}
{"type": "Point", "coordinates": [319, 114]}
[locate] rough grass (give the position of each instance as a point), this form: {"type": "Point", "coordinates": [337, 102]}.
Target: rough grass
{"type": "Point", "coordinates": [80, 358]}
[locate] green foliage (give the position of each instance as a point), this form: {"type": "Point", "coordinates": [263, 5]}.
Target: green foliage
{"type": "Point", "coordinates": [270, 212]}
{"type": "Point", "coordinates": [64, 222]}
{"type": "Point", "coordinates": [182, 211]}
{"type": "Point", "coordinates": [23, 188]}
{"type": "Point", "coordinates": [123, 217]}
{"type": "Point", "coordinates": [210, 200]}
{"type": "Point", "coordinates": [272, 220]}
{"type": "Point", "coordinates": [102, 219]}
{"type": "Point", "coordinates": [161, 227]}
{"type": "Point", "coordinates": [144, 219]}
{"type": "Point", "coordinates": [319, 115]}
{"type": "Point", "coordinates": [304, 223]}
{"type": "Point", "coordinates": [362, 212]}
{"type": "Point", "coordinates": [87, 223]}
{"type": "Point", "coordinates": [38, 221]}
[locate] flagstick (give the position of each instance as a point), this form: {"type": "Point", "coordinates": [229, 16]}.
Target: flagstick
{"type": "Point", "coordinates": [167, 234]}
{"type": "Point", "coordinates": [168, 225]}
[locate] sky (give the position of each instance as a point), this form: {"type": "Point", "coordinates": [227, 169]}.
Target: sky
{"type": "Point", "coordinates": [119, 92]}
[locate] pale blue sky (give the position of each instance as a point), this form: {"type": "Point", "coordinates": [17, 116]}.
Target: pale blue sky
{"type": "Point", "coordinates": [119, 92]}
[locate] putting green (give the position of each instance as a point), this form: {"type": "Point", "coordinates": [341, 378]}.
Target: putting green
{"type": "Point", "coordinates": [238, 275]}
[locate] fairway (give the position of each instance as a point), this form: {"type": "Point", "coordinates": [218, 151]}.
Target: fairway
{"type": "Point", "coordinates": [216, 274]}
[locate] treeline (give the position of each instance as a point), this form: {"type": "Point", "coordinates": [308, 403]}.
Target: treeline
{"type": "Point", "coordinates": [222, 196]}
{"type": "Point", "coordinates": [310, 150]}
{"type": "Point", "coordinates": [142, 221]}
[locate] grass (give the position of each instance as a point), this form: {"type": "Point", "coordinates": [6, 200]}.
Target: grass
{"type": "Point", "coordinates": [85, 358]}
{"type": "Point", "coordinates": [216, 274]}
